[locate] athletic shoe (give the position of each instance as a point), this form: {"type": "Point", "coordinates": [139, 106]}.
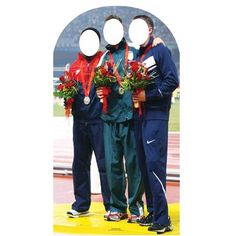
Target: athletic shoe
{"type": "Point", "coordinates": [116, 216]}
{"type": "Point", "coordinates": [75, 214]}
{"type": "Point", "coordinates": [160, 229]}
{"type": "Point", "coordinates": [107, 214]}
{"type": "Point", "coordinates": [134, 219]}
{"type": "Point", "coordinates": [146, 221]}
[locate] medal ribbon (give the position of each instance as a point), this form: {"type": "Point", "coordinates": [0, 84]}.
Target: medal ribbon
{"type": "Point", "coordinates": [145, 52]}
{"type": "Point", "coordinates": [125, 64]}
{"type": "Point", "coordinates": [90, 66]}
{"type": "Point", "coordinates": [139, 90]}
{"type": "Point", "coordinates": [105, 91]}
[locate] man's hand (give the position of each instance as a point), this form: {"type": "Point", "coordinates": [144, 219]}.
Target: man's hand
{"type": "Point", "coordinates": [139, 97]}
{"type": "Point", "coordinates": [157, 41]}
{"type": "Point", "coordinates": [99, 93]}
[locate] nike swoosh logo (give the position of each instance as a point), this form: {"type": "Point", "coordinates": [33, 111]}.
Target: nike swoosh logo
{"type": "Point", "coordinates": [150, 141]}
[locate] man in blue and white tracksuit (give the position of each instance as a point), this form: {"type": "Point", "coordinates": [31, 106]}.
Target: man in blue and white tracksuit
{"type": "Point", "coordinates": [151, 129]}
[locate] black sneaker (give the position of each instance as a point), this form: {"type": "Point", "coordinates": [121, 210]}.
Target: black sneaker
{"type": "Point", "coordinates": [160, 229]}
{"type": "Point", "coordinates": [146, 221]}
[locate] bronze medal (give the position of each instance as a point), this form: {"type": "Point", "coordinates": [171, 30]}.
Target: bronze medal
{"type": "Point", "coordinates": [121, 91]}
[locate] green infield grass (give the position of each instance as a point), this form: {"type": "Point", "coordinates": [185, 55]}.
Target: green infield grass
{"type": "Point", "coordinates": [58, 110]}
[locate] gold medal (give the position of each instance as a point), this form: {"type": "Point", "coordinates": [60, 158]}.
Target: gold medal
{"type": "Point", "coordinates": [86, 100]}
{"type": "Point", "coordinates": [121, 91]}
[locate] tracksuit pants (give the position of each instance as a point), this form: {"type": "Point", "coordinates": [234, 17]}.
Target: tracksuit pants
{"type": "Point", "coordinates": [119, 144]}
{"type": "Point", "coordinates": [88, 137]}
{"type": "Point", "coordinates": [151, 141]}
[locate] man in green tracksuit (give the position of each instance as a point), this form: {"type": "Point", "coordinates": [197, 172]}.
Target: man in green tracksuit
{"type": "Point", "coordinates": [119, 140]}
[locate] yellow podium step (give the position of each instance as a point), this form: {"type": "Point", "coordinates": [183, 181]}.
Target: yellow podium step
{"type": "Point", "coordinates": [95, 224]}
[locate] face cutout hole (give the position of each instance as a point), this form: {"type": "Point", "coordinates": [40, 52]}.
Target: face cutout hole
{"type": "Point", "coordinates": [113, 31]}
{"type": "Point", "coordinates": [138, 31]}
{"type": "Point", "coordinates": [89, 42]}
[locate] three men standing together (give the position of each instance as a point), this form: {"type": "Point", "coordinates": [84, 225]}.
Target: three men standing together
{"type": "Point", "coordinates": [124, 142]}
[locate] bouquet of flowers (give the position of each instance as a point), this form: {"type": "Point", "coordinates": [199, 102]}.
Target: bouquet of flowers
{"type": "Point", "coordinates": [67, 89]}
{"type": "Point", "coordinates": [104, 78]}
{"type": "Point", "coordinates": [136, 79]}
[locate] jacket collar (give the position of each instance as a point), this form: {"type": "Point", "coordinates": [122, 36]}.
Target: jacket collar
{"type": "Point", "coordinates": [89, 58]}
{"type": "Point", "coordinates": [113, 48]}
{"type": "Point", "coordinates": [142, 49]}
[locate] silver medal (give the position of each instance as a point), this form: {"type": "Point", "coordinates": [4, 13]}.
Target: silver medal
{"type": "Point", "coordinates": [86, 100]}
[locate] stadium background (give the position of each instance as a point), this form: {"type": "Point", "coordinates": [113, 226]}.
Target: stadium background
{"type": "Point", "coordinates": [67, 46]}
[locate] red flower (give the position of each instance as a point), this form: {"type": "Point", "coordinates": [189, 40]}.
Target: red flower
{"type": "Point", "coordinates": [62, 79]}
{"type": "Point", "coordinates": [134, 66]}
{"type": "Point", "coordinates": [60, 87]}
{"type": "Point", "coordinates": [103, 71]}
{"type": "Point", "coordinates": [69, 84]}
{"type": "Point", "coordinates": [69, 101]}
{"type": "Point", "coordinates": [109, 64]}
{"type": "Point", "coordinates": [109, 67]}
{"type": "Point", "coordinates": [139, 76]}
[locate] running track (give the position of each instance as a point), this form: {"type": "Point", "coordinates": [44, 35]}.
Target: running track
{"type": "Point", "coordinates": [63, 148]}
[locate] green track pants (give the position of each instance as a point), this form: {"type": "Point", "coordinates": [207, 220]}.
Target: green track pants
{"type": "Point", "coordinates": [119, 144]}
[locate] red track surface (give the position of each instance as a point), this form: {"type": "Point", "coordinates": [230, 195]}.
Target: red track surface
{"type": "Point", "coordinates": [63, 146]}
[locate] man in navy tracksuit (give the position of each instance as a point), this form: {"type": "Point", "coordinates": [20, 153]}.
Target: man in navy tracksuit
{"type": "Point", "coordinates": [87, 136]}
{"type": "Point", "coordinates": [151, 129]}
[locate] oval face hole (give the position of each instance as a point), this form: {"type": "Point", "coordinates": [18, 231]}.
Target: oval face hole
{"type": "Point", "coordinates": [89, 42]}
{"type": "Point", "coordinates": [113, 31]}
{"type": "Point", "coordinates": [138, 31]}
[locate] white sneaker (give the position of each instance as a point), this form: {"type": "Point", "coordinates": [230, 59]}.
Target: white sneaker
{"type": "Point", "coordinates": [107, 214]}
{"type": "Point", "coordinates": [75, 214]}
{"type": "Point", "coordinates": [134, 219]}
{"type": "Point", "coordinates": [116, 216]}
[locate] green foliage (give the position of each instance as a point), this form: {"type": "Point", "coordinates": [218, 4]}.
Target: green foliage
{"type": "Point", "coordinates": [66, 93]}
{"type": "Point", "coordinates": [174, 122]}
{"type": "Point", "coordinates": [58, 110]}
{"type": "Point", "coordinates": [136, 77]}
{"type": "Point", "coordinates": [135, 83]}
{"type": "Point", "coordinates": [100, 81]}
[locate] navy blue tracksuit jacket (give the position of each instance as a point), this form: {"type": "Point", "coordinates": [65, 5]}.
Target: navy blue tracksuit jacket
{"type": "Point", "coordinates": [151, 129]}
